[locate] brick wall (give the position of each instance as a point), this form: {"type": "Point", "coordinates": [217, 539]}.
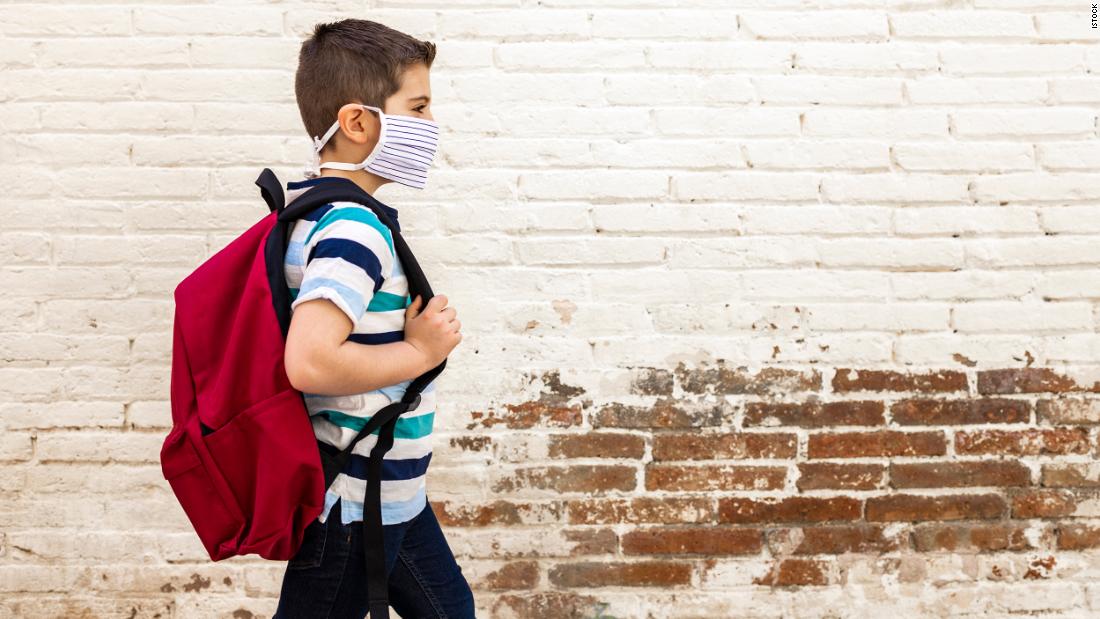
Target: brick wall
{"type": "Point", "coordinates": [940, 491]}
{"type": "Point", "coordinates": [768, 311]}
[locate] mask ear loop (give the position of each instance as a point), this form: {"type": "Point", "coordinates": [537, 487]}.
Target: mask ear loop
{"type": "Point", "coordinates": [383, 131]}
{"type": "Point", "coordinates": [313, 168]}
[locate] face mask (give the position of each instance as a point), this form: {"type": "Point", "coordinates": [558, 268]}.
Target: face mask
{"type": "Point", "coordinates": [404, 152]}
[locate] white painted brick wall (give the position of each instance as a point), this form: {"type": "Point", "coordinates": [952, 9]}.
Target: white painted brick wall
{"type": "Point", "coordinates": [619, 183]}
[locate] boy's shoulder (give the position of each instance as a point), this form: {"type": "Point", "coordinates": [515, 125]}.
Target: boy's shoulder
{"type": "Point", "coordinates": [365, 202]}
{"type": "Point", "coordinates": [352, 221]}
{"type": "Point", "coordinates": [343, 209]}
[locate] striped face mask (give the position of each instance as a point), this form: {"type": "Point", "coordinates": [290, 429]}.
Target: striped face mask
{"type": "Point", "coordinates": [404, 152]}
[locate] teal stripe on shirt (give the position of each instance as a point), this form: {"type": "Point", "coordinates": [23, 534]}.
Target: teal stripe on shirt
{"type": "Point", "coordinates": [382, 301]}
{"type": "Point", "coordinates": [406, 427]}
{"type": "Point", "coordinates": [387, 302]}
{"type": "Point", "coordinates": [361, 215]}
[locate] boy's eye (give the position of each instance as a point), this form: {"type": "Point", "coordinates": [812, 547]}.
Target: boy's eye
{"type": "Point", "coordinates": [420, 108]}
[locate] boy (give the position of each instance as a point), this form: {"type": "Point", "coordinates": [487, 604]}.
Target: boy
{"type": "Point", "coordinates": [356, 339]}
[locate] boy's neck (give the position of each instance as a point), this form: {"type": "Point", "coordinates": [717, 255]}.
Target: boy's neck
{"type": "Point", "coordinates": [368, 182]}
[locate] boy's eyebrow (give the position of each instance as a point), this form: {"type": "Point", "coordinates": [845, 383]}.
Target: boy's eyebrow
{"type": "Point", "coordinates": [426, 98]}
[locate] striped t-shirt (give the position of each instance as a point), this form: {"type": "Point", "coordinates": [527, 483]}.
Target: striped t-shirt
{"type": "Point", "coordinates": [342, 252]}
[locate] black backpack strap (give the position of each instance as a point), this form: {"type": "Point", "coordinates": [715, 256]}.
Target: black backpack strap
{"type": "Point", "coordinates": [271, 189]}
{"type": "Point", "coordinates": [384, 420]}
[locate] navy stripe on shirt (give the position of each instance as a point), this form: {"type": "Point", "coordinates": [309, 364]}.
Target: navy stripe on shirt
{"type": "Point", "coordinates": [392, 470]}
{"type": "Point", "coordinates": [377, 338]}
{"type": "Point", "coordinates": [352, 252]}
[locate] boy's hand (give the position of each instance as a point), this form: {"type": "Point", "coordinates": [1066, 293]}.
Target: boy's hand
{"type": "Point", "coordinates": [434, 331]}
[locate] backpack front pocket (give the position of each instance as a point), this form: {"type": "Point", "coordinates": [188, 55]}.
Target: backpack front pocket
{"type": "Point", "coordinates": [203, 494]}
{"type": "Point", "coordinates": [268, 456]}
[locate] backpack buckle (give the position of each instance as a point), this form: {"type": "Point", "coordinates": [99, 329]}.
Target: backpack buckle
{"type": "Point", "coordinates": [415, 403]}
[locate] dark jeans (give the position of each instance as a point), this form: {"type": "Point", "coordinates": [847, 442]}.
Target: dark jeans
{"type": "Point", "coordinates": [327, 577]}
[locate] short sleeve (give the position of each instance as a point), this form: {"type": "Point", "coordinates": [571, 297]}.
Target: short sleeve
{"type": "Point", "coordinates": [348, 253]}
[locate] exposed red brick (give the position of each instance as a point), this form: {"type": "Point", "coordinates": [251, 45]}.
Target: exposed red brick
{"type": "Point", "coordinates": [1029, 380]}
{"type": "Point", "coordinates": [1028, 442]}
{"type": "Point", "coordinates": [743, 510]}
{"type": "Point", "coordinates": [912, 508]}
{"type": "Point", "coordinates": [635, 574]}
{"type": "Point", "coordinates": [554, 389]}
{"type": "Point", "coordinates": [881, 443]}
{"type": "Point", "coordinates": [658, 510]}
{"type": "Point", "coordinates": [528, 415]}
{"type": "Point", "coordinates": [1078, 536]}
{"type": "Point", "coordinates": [664, 413]}
{"type": "Point", "coordinates": [958, 474]}
{"type": "Point", "coordinates": [545, 604]}
{"type": "Point", "coordinates": [840, 476]}
{"type": "Point", "coordinates": [796, 572]}
{"type": "Point", "coordinates": [705, 450]}
{"type": "Point", "coordinates": [1043, 504]}
{"type": "Point", "coordinates": [707, 540]}
{"type": "Point", "coordinates": [955, 412]}
{"type": "Point", "coordinates": [651, 381]}
{"type": "Point", "coordinates": [725, 446]}
{"type": "Point", "coordinates": [577, 478]}
{"type": "Point", "coordinates": [1076, 475]}
{"type": "Point", "coordinates": [476, 444]}
{"type": "Point", "coordinates": [1040, 567]}
{"type": "Point", "coordinates": [815, 414]}
{"type": "Point", "coordinates": [687, 478]}
{"type": "Point", "coordinates": [592, 541]}
{"type": "Point", "coordinates": [740, 381]}
{"type": "Point", "coordinates": [833, 539]}
{"type": "Point", "coordinates": [500, 512]}
{"type": "Point", "coordinates": [516, 575]}
{"type": "Point", "coordinates": [935, 537]}
{"type": "Point", "coordinates": [597, 445]}
{"type": "Point", "coordinates": [847, 379]}
{"type": "Point", "coordinates": [1084, 410]}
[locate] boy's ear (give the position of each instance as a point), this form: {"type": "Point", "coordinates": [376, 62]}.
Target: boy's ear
{"type": "Point", "coordinates": [359, 124]}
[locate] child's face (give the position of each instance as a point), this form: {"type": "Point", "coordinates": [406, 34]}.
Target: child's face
{"type": "Point", "coordinates": [415, 95]}
{"type": "Point", "coordinates": [361, 131]}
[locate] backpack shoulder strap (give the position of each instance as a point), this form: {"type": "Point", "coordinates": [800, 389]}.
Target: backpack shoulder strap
{"type": "Point", "coordinates": [271, 189]}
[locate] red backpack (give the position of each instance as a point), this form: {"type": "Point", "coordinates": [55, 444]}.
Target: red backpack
{"type": "Point", "coordinates": [242, 457]}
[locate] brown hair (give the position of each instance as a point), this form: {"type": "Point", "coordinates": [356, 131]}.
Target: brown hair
{"type": "Point", "coordinates": [352, 60]}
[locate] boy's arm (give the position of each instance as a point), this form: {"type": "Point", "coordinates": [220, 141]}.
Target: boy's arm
{"type": "Point", "coordinates": [319, 359]}
{"type": "Point", "coordinates": [346, 257]}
